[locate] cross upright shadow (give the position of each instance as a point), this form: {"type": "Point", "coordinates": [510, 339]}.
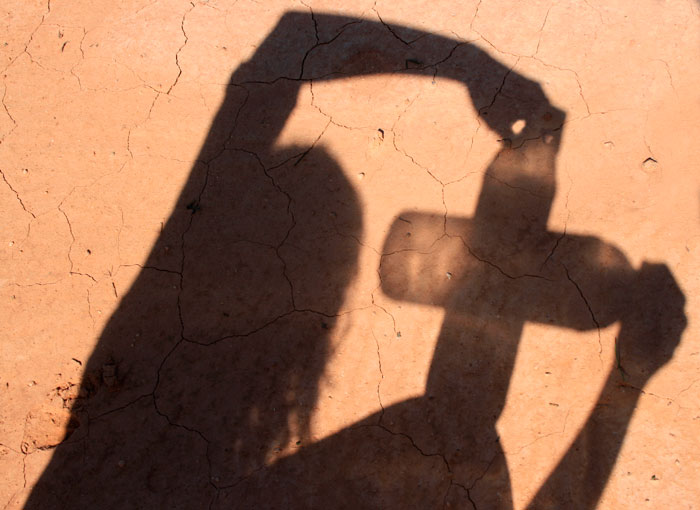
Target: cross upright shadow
{"type": "Point", "coordinates": [494, 272]}
{"type": "Point", "coordinates": [237, 323]}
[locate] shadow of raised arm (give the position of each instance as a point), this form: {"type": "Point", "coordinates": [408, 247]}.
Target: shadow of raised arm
{"type": "Point", "coordinates": [652, 321]}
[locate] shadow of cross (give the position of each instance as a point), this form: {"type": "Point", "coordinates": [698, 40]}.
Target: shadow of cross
{"type": "Point", "coordinates": [494, 272]}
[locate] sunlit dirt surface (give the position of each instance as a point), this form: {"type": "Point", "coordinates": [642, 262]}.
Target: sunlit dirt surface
{"type": "Point", "coordinates": [320, 255]}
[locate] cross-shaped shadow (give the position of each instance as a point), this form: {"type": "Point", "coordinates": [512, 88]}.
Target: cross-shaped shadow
{"type": "Point", "coordinates": [235, 303]}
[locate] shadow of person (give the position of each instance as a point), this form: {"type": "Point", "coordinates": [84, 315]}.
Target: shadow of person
{"type": "Point", "coordinates": [232, 342]}
{"type": "Point", "coordinates": [213, 358]}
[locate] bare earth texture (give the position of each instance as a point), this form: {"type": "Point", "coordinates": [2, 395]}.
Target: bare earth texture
{"type": "Point", "coordinates": [369, 254]}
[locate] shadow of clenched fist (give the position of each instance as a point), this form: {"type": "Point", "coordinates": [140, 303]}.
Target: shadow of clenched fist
{"type": "Point", "coordinates": [652, 324]}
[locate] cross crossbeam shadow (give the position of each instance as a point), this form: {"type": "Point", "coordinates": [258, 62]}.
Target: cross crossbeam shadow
{"type": "Point", "coordinates": [237, 333]}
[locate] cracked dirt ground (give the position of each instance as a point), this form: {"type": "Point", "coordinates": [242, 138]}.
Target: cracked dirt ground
{"type": "Point", "coordinates": [314, 255]}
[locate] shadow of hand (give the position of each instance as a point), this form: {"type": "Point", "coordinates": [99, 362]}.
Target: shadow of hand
{"type": "Point", "coordinates": [652, 324]}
